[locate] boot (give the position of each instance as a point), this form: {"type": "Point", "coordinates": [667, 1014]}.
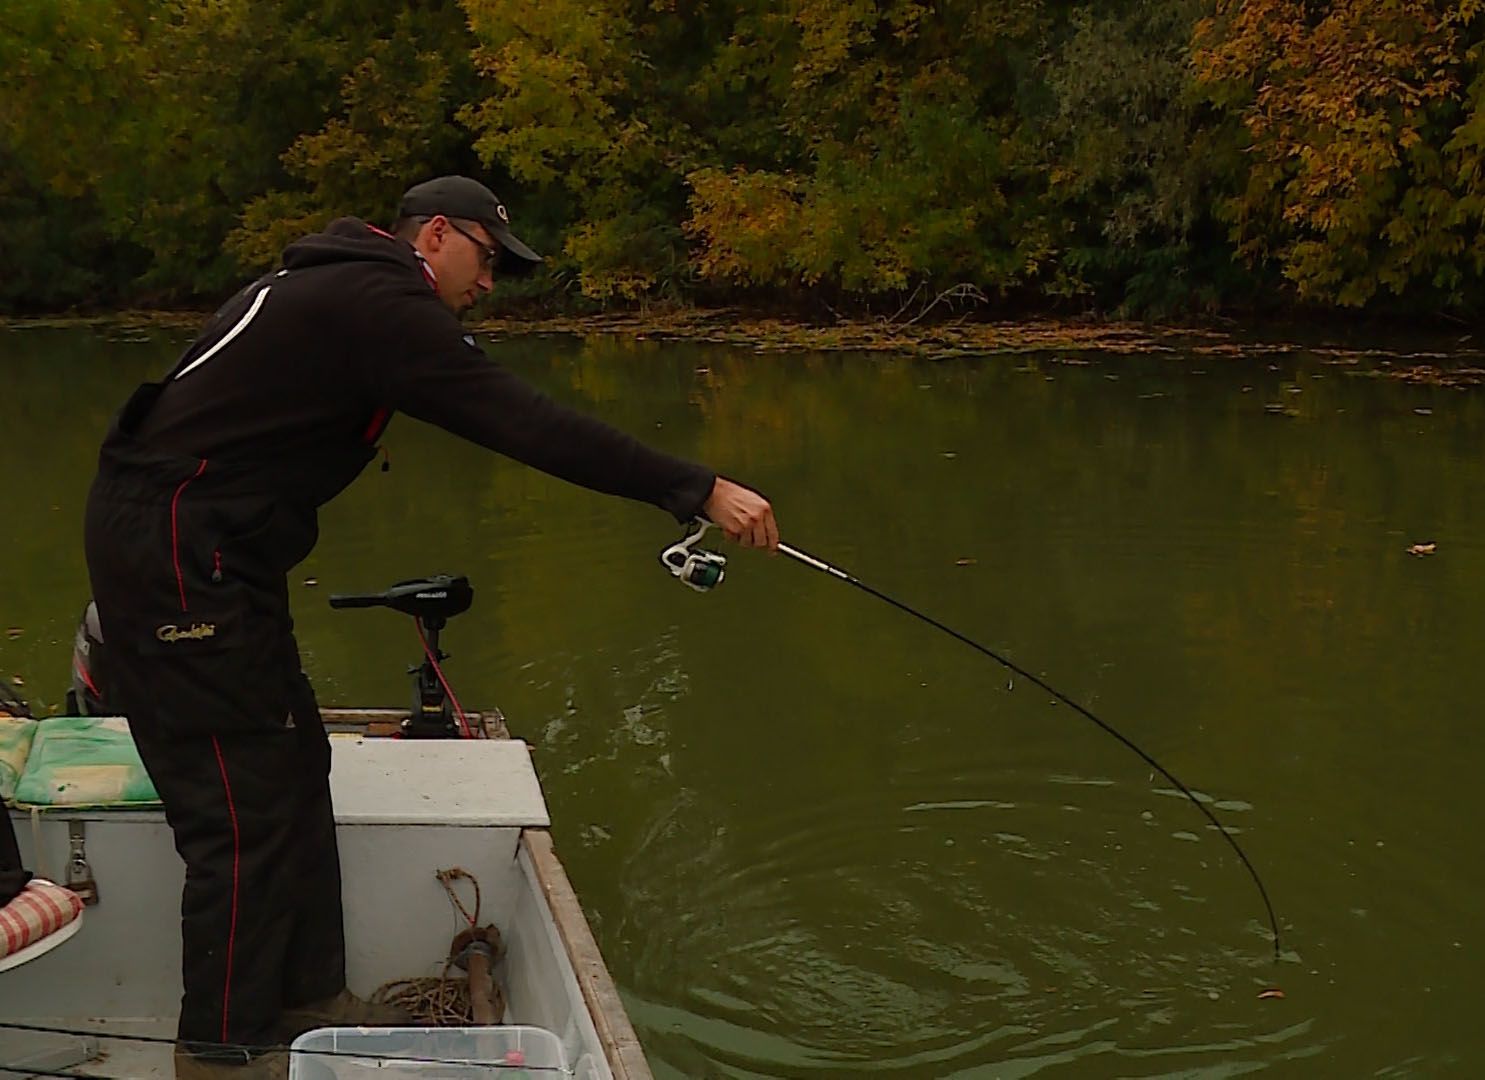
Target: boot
{"type": "Point", "coordinates": [345, 1009]}
{"type": "Point", "coordinates": [270, 1066]}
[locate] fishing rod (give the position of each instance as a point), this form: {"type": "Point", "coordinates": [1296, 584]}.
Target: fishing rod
{"type": "Point", "coordinates": [704, 570]}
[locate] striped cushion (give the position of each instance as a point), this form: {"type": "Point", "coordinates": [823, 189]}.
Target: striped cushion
{"type": "Point", "coordinates": [41, 909]}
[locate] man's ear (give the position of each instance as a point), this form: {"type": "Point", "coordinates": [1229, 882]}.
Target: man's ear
{"type": "Point", "coordinates": [435, 232]}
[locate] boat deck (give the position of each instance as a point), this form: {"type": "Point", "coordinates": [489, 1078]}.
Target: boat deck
{"type": "Point", "coordinates": [120, 1059]}
{"type": "Point", "coordinates": [405, 810]}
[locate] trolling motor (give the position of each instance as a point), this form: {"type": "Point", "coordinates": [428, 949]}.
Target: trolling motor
{"type": "Point", "coordinates": [432, 602]}
{"type": "Point", "coordinates": [702, 570]}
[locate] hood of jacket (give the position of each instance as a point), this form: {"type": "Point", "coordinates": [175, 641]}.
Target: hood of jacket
{"type": "Point", "coordinates": [349, 239]}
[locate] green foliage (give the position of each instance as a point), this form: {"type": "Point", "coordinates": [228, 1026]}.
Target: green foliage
{"type": "Point", "coordinates": [57, 251]}
{"type": "Point", "coordinates": [908, 179]}
{"type": "Point", "coordinates": [575, 101]}
{"type": "Point", "coordinates": [393, 124]}
{"type": "Point", "coordinates": [63, 64]}
{"type": "Point", "coordinates": [182, 122]}
{"type": "Point", "coordinates": [1132, 160]}
{"type": "Point", "coordinates": [1145, 156]}
{"type": "Point", "coordinates": [1363, 163]}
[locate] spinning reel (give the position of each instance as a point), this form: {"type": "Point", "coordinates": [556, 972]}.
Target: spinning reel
{"type": "Point", "coordinates": [702, 570]}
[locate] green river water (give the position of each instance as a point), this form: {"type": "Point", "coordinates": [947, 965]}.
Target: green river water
{"type": "Point", "coordinates": [816, 838]}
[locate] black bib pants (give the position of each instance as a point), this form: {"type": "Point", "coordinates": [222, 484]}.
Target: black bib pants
{"type": "Point", "coordinates": [188, 561]}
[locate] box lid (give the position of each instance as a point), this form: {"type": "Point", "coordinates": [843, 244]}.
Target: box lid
{"type": "Point", "coordinates": [470, 782]}
{"type": "Point", "coordinates": [517, 1051]}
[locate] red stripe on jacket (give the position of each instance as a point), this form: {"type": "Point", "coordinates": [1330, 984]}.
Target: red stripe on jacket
{"type": "Point", "coordinates": [180, 580]}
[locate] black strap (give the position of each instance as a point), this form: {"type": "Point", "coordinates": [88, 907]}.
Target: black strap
{"type": "Point", "coordinates": [13, 876]}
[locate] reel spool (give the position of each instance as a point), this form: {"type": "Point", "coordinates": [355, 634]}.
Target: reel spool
{"type": "Point", "coordinates": [696, 567]}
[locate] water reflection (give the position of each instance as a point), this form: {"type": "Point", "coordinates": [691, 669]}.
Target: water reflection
{"type": "Point", "coordinates": [817, 839]}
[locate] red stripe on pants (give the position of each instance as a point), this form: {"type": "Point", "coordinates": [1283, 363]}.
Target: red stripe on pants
{"type": "Point", "coordinates": [236, 863]}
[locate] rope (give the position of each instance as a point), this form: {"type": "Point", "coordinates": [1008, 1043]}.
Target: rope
{"type": "Point", "coordinates": [439, 1000]}
{"type": "Point", "coordinates": [446, 878]}
{"type": "Point", "coordinates": [436, 1000]}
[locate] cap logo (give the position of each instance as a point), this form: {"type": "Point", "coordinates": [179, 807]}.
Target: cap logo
{"type": "Point", "coordinates": [501, 214]}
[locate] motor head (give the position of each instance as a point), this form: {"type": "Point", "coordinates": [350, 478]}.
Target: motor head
{"type": "Point", "coordinates": [696, 567]}
{"type": "Point", "coordinates": [86, 696]}
{"type": "Point", "coordinates": [440, 597]}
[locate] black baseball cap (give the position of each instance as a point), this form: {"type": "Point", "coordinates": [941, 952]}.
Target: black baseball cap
{"type": "Point", "coordinates": [461, 197]}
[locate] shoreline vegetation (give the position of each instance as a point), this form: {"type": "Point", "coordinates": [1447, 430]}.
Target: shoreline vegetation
{"type": "Point", "coordinates": [1125, 159]}
{"type": "Point", "coordinates": [1455, 361]}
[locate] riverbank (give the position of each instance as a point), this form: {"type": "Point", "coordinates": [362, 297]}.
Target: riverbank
{"type": "Point", "coordinates": [1437, 359]}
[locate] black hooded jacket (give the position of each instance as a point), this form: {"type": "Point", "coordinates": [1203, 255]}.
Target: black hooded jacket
{"type": "Point", "coordinates": [208, 482]}
{"type": "Point", "coordinates": [299, 373]}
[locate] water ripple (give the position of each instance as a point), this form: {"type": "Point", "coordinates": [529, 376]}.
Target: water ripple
{"type": "Point", "coordinates": [950, 937]}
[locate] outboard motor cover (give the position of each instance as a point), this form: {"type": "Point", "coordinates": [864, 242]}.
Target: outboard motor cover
{"type": "Point", "coordinates": [88, 694]}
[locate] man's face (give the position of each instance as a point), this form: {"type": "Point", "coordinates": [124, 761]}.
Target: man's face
{"type": "Point", "coordinates": [462, 257]}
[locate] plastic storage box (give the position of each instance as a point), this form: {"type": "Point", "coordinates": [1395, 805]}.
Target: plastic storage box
{"type": "Point", "coordinates": [507, 1052]}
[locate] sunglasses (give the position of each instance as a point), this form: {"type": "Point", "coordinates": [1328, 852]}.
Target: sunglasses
{"type": "Point", "coordinates": [488, 254]}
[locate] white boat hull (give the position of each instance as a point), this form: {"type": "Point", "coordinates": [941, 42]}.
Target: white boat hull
{"type": "Point", "coordinates": [405, 809]}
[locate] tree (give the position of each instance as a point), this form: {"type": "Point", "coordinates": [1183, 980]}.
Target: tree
{"type": "Point", "coordinates": [1357, 182]}
{"type": "Point", "coordinates": [1135, 159]}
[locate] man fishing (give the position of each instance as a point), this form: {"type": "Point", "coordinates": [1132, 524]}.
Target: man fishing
{"type": "Point", "coordinates": [206, 496]}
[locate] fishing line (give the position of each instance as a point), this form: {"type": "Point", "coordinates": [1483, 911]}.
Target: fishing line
{"type": "Point", "coordinates": [703, 570]}
{"type": "Point", "coordinates": [819, 564]}
{"type": "Point", "coordinates": [254, 1049]}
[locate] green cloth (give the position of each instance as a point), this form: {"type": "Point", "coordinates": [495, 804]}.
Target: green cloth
{"type": "Point", "coordinates": [15, 745]}
{"type": "Point", "coordinates": [84, 761]}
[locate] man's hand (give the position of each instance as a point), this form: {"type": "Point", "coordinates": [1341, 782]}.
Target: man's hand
{"type": "Point", "coordinates": [743, 514]}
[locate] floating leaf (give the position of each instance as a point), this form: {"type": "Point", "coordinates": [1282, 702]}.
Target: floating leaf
{"type": "Point", "coordinates": [311, 582]}
{"type": "Point", "coordinates": [1426, 548]}
{"type": "Point", "coordinates": [1273, 993]}
{"type": "Point", "coordinates": [13, 632]}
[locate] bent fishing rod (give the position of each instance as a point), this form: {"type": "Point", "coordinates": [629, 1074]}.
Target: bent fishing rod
{"type": "Point", "coordinates": [704, 570]}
